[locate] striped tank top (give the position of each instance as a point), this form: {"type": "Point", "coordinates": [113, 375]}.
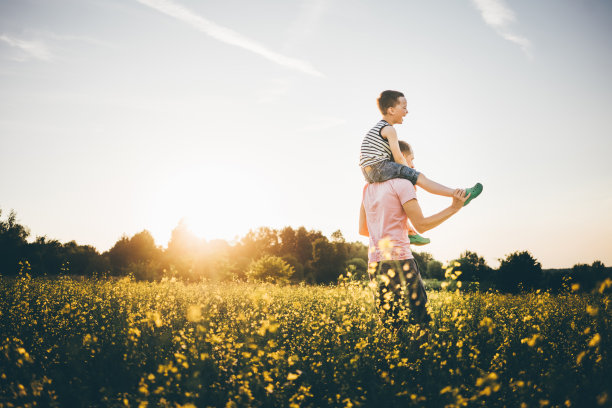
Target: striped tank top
{"type": "Point", "coordinates": [374, 147]}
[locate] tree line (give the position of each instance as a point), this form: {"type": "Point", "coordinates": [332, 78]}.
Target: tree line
{"type": "Point", "coordinates": [288, 255]}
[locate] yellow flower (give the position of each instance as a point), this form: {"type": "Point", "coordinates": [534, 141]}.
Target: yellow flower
{"type": "Point", "coordinates": [595, 340]}
{"type": "Point", "coordinates": [194, 313]}
{"type": "Point", "coordinates": [385, 245]}
{"type": "Point", "coordinates": [605, 285]}
{"type": "Point", "coordinates": [602, 398]}
{"type": "Point", "coordinates": [591, 310]}
{"type": "Point", "coordinates": [531, 341]}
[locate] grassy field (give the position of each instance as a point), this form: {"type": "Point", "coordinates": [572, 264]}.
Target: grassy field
{"type": "Point", "coordinates": [66, 342]}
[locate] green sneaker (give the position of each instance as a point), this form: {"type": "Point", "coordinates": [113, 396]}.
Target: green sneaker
{"type": "Point", "coordinates": [418, 240]}
{"type": "Point", "coordinates": [474, 192]}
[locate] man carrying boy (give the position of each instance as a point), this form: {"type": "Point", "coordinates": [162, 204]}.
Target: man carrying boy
{"type": "Point", "coordinates": [389, 200]}
{"type": "Point", "coordinates": [383, 217]}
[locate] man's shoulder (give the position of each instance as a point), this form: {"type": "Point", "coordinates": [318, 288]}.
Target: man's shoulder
{"type": "Point", "coordinates": [400, 183]}
{"type": "Point", "coordinates": [396, 184]}
{"type": "Point", "coordinates": [403, 189]}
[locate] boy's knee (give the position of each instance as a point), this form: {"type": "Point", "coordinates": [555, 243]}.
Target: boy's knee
{"type": "Point", "coordinates": [409, 174]}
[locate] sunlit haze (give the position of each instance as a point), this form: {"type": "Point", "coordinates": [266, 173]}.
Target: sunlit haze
{"type": "Point", "coordinates": [119, 116]}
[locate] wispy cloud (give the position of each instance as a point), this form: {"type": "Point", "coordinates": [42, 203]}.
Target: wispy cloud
{"type": "Point", "coordinates": [30, 49]}
{"type": "Point", "coordinates": [228, 36]}
{"type": "Point", "coordinates": [499, 16]}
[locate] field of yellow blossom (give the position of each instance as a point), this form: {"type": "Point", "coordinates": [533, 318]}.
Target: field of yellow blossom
{"type": "Point", "coordinates": [96, 342]}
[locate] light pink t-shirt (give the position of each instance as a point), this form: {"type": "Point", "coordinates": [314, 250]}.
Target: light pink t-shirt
{"type": "Point", "coordinates": [386, 218]}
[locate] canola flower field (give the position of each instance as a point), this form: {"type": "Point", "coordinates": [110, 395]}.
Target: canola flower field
{"type": "Point", "coordinates": [70, 343]}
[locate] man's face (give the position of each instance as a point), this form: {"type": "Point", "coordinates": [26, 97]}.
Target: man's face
{"type": "Point", "coordinates": [409, 159]}
{"type": "Point", "coordinates": [399, 110]}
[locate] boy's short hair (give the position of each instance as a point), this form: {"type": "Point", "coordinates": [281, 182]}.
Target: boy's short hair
{"type": "Point", "coordinates": [404, 147]}
{"type": "Point", "coordinates": [388, 99]}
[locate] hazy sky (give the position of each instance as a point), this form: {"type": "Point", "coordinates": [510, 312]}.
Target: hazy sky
{"type": "Point", "coordinates": [123, 115]}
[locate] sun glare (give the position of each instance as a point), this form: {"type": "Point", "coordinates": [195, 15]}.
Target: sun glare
{"type": "Point", "coordinates": [212, 209]}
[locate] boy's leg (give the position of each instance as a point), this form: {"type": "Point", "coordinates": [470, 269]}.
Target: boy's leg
{"type": "Point", "coordinates": [411, 230]}
{"type": "Point", "coordinates": [432, 187]}
{"type": "Point", "coordinates": [415, 238]}
{"type": "Point", "coordinates": [473, 192]}
{"type": "Point", "coordinates": [436, 188]}
{"type": "Point", "coordinates": [366, 176]}
{"type": "Point", "coordinates": [418, 240]}
{"type": "Point", "coordinates": [388, 170]}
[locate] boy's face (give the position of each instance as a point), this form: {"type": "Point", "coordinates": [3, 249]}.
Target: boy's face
{"type": "Point", "coordinates": [399, 110]}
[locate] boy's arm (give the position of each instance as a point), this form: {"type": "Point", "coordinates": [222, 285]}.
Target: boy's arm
{"type": "Point", "coordinates": [421, 223]}
{"type": "Point", "coordinates": [389, 133]}
{"type": "Point", "coordinates": [363, 223]}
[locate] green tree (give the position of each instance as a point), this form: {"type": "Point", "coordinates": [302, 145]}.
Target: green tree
{"type": "Point", "coordinates": [13, 243]}
{"type": "Point", "coordinates": [326, 264]}
{"type": "Point", "coordinates": [183, 242]}
{"type": "Point", "coordinates": [45, 256]}
{"type": "Point", "coordinates": [519, 270]}
{"type": "Point", "coordinates": [473, 268]}
{"type": "Point", "coordinates": [298, 275]}
{"type": "Point", "coordinates": [357, 250]}
{"type": "Point", "coordinates": [422, 258]}
{"type": "Point", "coordinates": [337, 236]}
{"type": "Point", "coordinates": [287, 241]}
{"type": "Point", "coordinates": [217, 263]}
{"type": "Point", "coordinates": [434, 270]}
{"type": "Point", "coordinates": [270, 268]}
{"type": "Point", "coordinates": [587, 276]}
{"type": "Point", "coordinates": [340, 246]}
{"type": "Point", "coordinates": [137, 253]}
{"type": "Point", "coordinates": [261, 241]}
{"type": "Point", "coordinates": [183, 251]}
{"type": "Point", "coordinates": [303, 245]}
{"type": "Point", "coordinates": [360, 268]}
{"type": "Point", "coordinates": [82, 259]}
{"type": "Point", "coordinates": [192, 258]}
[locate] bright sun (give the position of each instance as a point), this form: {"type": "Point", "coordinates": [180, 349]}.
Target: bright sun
{"type": "Point", "coordinates": [224, 208]}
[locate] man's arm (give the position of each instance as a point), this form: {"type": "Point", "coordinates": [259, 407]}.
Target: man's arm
{"type": "Point", "coordinates": [390, 134]}
{"type": "Point", "coordinates": [422, 224]}
{"type": "Point", "coordinates": [363, 223]}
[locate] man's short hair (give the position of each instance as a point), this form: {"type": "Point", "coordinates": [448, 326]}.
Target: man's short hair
{"type": "Point", "coordinates": [388, 99]}
{"type": "Point", "coordinates": [405, 147]}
